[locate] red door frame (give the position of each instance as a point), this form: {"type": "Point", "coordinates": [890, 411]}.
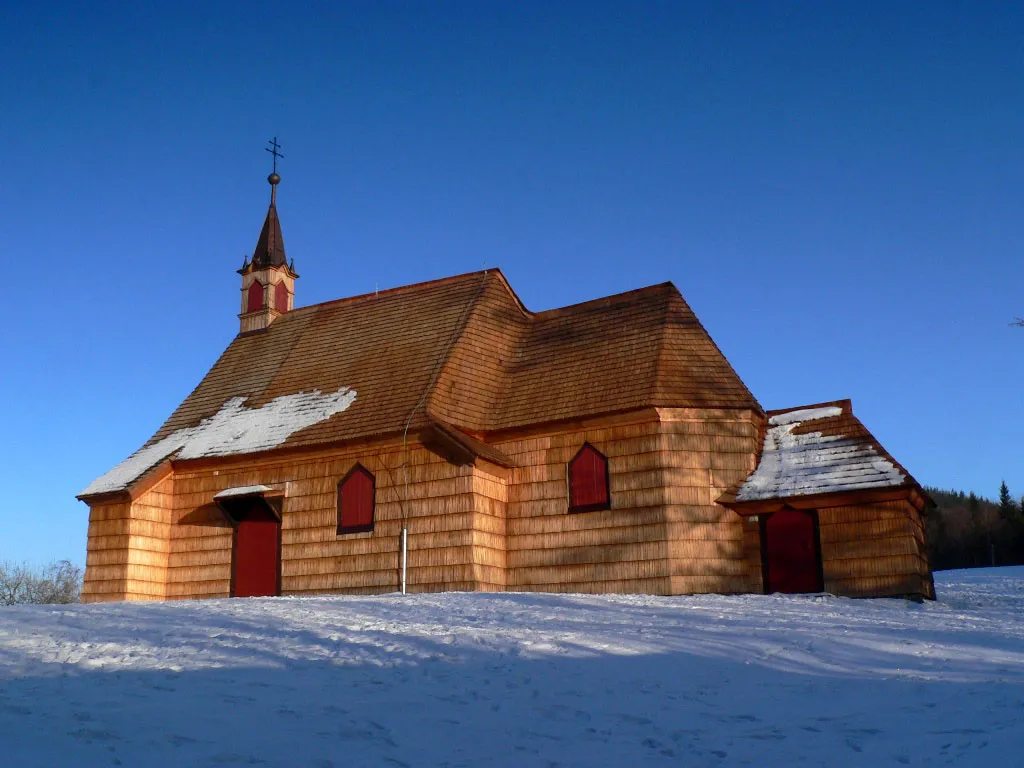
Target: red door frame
{"type": "Point", "coordinates": [234, 546]}
{"type": "Point", "coordinates": [765, 571]}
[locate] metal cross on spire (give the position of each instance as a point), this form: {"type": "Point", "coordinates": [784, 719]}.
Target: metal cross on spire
{"type": "Point", "coordinates": [273, 178]}
{"type": "Point", "coordinates": [274, 147]}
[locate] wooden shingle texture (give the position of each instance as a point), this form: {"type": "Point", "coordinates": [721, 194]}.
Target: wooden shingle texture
{"type": "Point", "coordinates": [820, 449]}
{"type": "Point", "coordinates": [464, 351]}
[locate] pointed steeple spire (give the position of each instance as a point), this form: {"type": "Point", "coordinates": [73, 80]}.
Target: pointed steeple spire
{"type": "Point", "coordinates": [270, 247]}
{"type": "Point", "coordinates": [268, 280]}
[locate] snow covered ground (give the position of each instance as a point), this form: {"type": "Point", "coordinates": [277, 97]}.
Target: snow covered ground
{"type": "Point", "coordinates": [521, 680]}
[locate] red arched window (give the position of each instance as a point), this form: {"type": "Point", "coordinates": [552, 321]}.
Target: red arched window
{"type": "Point", "coordinates": [255, 300]}
{"type": "Point", "coordinates": [588, 481]}
{"type": "Point", "coordinates": [281, 297]}
{"type": "Point", "coordinates": [355, 501]}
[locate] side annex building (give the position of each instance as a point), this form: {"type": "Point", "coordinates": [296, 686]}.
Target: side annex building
{"type": "Point", "coordinates": [440, 436]}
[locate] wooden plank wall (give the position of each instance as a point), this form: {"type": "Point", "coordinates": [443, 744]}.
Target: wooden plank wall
{"type": "Point", "coordinates": [106, 553]}
{"type": "Point", "coordinates": [664, 533]}
{"type": "Point", "coordinates": [752, 555]}
{"type": "Point", "coordinates": [617, 550]}
{"type": "Point", "coordinates": [150, 542]}
{"type": "Point", "coordinates": [622, 549]}
{"type": "Point", "coordinates": [455, 522]}
{"type": "Point", "coordinates": [490, 548]}
{"type": "Point", "coordinates": [483, 528]}
{"type": "Point", "coordinates": [128, 545]}
{"type": "Point", "coordinates": [486, 528]}
{"type": "Point", "coordinates": [875, 550]}
{"type": "Point", "coordinates": [705, 452]}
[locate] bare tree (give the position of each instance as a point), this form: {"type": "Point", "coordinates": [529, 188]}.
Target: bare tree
{"type": "Point", "coordinates": [59, 582]}
{"type": "Point", "coordinates": [14, 583]}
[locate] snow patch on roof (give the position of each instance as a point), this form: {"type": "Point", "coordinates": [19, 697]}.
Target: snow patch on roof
{"type": "Point", "coordinates": [242, 490]}
{"type": "Point", "coordinates": [805, 414]}
{"type": "Point", "coordinates": [234, 429]}
{"type": "Point", "coordinates": [801, 465]}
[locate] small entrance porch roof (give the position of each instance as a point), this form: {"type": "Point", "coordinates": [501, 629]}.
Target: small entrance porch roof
{"type": "Point", "coordinates": [237, 503]}
{"type": "Point", "coordinates": [821, 456]}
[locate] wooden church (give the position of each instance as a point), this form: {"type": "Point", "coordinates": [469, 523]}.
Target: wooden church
{"type": "Point", "coordinates": [441, 436]}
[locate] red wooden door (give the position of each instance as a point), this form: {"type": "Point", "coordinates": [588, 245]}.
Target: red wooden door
{"type": "Point", "coordinates": [257, 554]}
{"type": "Point", "coordinates": [791, 550]}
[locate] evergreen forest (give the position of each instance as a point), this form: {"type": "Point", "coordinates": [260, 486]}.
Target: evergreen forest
{"type": "Point", "coordinates": [968, 531]}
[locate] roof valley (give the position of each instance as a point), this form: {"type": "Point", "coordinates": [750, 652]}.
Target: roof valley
{"type": "Point", "coordinates": [465, 355]}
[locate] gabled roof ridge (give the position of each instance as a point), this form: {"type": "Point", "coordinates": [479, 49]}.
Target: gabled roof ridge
{"type": "Point", "coordinates": [543, 314]}
{"type": "Point", "coordinates": [511, 292]}
{"type": "Point", "coordinates": [845, 403]}
{"type": "Point", "coordinates": [401, 289]}
{"type": "Point", "coordinates": [569, 309]}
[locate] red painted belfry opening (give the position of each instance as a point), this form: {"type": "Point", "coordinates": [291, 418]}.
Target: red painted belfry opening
{"type": "Point", "coordinates": [254, 300]}
{"type": "Point", "coordinates": [791, 551]}
{"type": "Point", "coordinates": [588, 481]}
{"type": "Point", "coordinates": [281, 297]}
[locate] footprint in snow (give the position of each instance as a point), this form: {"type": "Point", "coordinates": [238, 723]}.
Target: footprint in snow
{"type": "Point", "coordinates": [740, 718]}
{"type": "Point", "coordinates": [233, 758]}
{"type": "Point", "coordinates": [90, 735]}
{"type": "Point", "coordinates": [634, 719]}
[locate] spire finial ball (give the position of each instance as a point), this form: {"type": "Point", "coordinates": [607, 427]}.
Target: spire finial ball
{"type": "Point", "coordinates": [274, 179]}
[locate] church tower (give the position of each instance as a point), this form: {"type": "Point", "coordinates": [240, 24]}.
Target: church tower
{"type": "Point", "coordinates": [268, 279]}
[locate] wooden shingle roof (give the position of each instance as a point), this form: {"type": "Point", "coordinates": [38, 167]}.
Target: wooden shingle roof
{"type": "Point", "coordinates": [813, 452]}
{"type": "Point", "coordinates": [463, 351]}
{"type": "Point", "coordinates": [514, 368]}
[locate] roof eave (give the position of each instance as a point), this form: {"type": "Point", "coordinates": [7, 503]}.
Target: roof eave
{"type": "Point", "coordinates": [746, 507]}
{"type": "Point", "coordinates": [133, 490]}
{"type": "Point", "coordinates": [460, 448]}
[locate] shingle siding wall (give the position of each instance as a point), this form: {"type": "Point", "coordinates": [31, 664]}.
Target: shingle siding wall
{"type": "Point", "coordinates": [128, 546]}
{"type": "Point", "coordinates": [490, 528]}
{"type": "Point", "coordinates": [664, 534]}
{"type": "Point", "coordinates": [707, 451]}
{"type": "Point", "coordinates": [875, 550]}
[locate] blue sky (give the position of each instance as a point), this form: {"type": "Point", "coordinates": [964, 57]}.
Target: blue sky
{"type": "Point", "coordinates": [835, 189]}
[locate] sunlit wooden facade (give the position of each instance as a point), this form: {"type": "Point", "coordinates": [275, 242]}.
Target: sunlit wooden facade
{"type": "Point", "coordinates": [467, 415]}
